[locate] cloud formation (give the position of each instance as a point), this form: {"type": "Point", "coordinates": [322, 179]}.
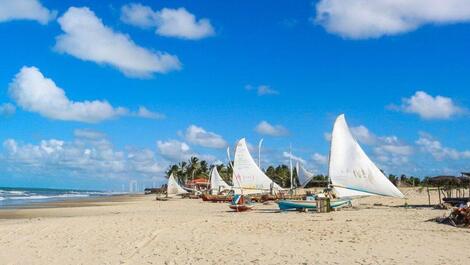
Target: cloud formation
{"type": "Point", "coordinates": [429, 107]}
{"type": "Point", "coordinates": [36, 93]}
{"type": "Point", "coordinates": [293, 157]}
{"type": "Point", "coordinates": [362, 19]}
{"type": "Point", "coordinates": [432, 146]}
{"type": "Point", "coordinates": [7, 109]}
{"type": "Point", "coordinates": [266, 128]}
{"type": "Point", "coordinates": [262, 90]}
{"type": "Point", "coordinates": [178, 23]}
{"type": "Point", "coordinates": [320, 159]}
{"type": "Point", "coordinates": [89, 155]}
{"type": "Point", "coordinates": [143, 112]}
{"type": "Point", "coordinates": [199, 136]}
{"type": "Point", "coordinates": [88, 134]}
{"type": "Point", "coordinates": [389, 150]}
{"type": "Point", "coordinates": [25, 10]}
{"type": "Point", "coordinates": [87, 38]}
{"type": "Point", "coordinates": [176, 151]}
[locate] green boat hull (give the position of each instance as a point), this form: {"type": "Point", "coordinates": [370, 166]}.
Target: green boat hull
{"type": "Point", "coordinates": [286, 205]}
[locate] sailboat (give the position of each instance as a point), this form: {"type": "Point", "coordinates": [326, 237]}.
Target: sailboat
{"type": "Point", "coordinates": [352, 173]}
{"type": "Point", "coordinates": [217, 183]}
{"type": "Point", "coordinates": [247, 175]}
{"type": "Point", "coordinates": [248, 179]}
{"type": "Point", "coordinates": [217, 186]}
{"type": "Point", "coordinates": [173, 188]}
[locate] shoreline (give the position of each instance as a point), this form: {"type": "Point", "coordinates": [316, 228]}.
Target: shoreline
{"type": "Point", "coordinates": [33, 210]}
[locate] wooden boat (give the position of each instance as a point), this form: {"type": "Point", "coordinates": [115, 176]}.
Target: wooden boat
{"type": "Point", "coordinates": [216, 198]}
{"type": "Point", "coordinates": [240, 203]}
{"type": "Point", "coordinates": [242, 208]}
{"type": "Point", "coordinates": [286, 205]}
{"type": "Point", "coordinates": [351, 172]}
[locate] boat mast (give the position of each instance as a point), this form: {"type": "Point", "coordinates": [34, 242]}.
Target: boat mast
{"type": "Point", "coordinates": [328, 179]}
{"type": "Point", "coordinates": [259, 153]}
{"type": "Point", "coordinates": [291, 169]}
{"type": "Point", "coordinates": [297, 170]}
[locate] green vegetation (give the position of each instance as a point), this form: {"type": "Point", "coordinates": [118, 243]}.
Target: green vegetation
{"type": "Point", "coordinates": [196, 168]}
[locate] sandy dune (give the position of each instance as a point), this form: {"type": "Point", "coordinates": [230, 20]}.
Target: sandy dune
{"type": "Point", "coordinates": [140, 230]}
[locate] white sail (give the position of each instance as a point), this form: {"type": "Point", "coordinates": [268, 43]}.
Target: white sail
{"type": "Point", "coordinates": [217, 183]}
{"type": "Point", "coordinates": [247, 175]}
{"type": "Point", "coordinates": [173, 188]}
{"type": "Point", "coordinates": [351, 171]}
{"type": "Point", "coordinates": [303, 175]}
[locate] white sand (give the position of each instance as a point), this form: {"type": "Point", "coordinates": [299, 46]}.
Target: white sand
{"type": "Point", "coordinates": [144, 231]}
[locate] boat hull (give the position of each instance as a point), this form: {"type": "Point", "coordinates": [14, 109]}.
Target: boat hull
{"type": "Point", "coordinates": [285, 205]}
{"type": "Point", "coordinates": [216, 198]}
{"type": "Point", "coordinates": [241, 207]}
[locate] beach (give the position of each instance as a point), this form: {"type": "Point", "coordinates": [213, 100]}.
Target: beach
{"type": "Point", "coordinates": [141, 230]}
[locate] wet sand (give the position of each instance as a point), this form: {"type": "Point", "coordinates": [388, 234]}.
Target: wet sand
{"type": "Point", "coordinates": [140, 230]}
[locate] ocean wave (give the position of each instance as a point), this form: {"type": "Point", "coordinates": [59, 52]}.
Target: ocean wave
{"type": "Point", "coordinates": [16, 192]}
{"type": "Point", "coordinates": [45, 197]}
{"type": "Point", "coordinates": [12, 192]}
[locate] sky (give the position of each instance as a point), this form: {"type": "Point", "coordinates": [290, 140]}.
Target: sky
{"type": "Point", "coordinates": [95, 94]}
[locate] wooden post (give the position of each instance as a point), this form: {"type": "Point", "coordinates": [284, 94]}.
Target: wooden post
{"type": "Point", "coordinates": [429, 196]}
{"type": "Point", "coordinates": [439, 192]}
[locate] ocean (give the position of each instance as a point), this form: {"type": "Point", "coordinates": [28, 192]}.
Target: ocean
{"type": "Point", "coordinates": [11, 197]}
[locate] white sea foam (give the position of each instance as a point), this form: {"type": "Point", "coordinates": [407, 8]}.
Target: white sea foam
{"type": "Point", "coordinates": [16, 192]}
{"type": "Point", "coordinates": [44, 197]}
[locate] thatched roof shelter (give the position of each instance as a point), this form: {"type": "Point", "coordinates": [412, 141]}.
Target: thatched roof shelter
{"type": "Point", "coordinates": [444, 181]}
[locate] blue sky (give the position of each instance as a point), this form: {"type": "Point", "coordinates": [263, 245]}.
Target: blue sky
{"type": "Point", "coordinates": [74, 75]}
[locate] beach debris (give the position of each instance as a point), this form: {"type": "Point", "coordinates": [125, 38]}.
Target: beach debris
{"type": "Point", "coordinates": [458, 217]}
{"type": "Point", "coordinates": [443, 206]}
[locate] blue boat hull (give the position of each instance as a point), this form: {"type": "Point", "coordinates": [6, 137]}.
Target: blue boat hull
{"type": "Point", "coordinates": [286, 205]}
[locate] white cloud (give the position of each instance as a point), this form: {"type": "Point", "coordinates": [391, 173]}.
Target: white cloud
{"type": "Point", "coordinates": [88, 134]}
{"type": "Point", "coordinates": [91, 157]}
{"type": "Point", "coordinates": [138, 15]}
{"type": "Point", "coordinates": [266, 128]}
{"type": "Point", "coordinates": [174, 150]}
{"type": "Point", "coordinates": [199, 136]}
{"type": "Point", "coordinates": [362, 19]}
{"type": "Point", "coordinates": [167, 22]}
{"type": "Point", "coordinates": [87, 38]}
{"type": "Point", "coordinates": [327, 136]}
{"type": "Point", "coordinates": [25, 10]}
{"type": "Point", "coordinates": [429, 107]}
{"type": "Point", "coordinates": [391, 144]}
{"type": "Point", "coordinates": [7, 109]}
{"type": "Point", "coordinates": [432, 146]}
{"type": "Point", "coordinates": [391, 151]}
{"type": "Point", "coordinates": [364, 135]}
{"type": "Point", "coordinates": [293, 157]}
{"type": "Point", "coordinates": [177, 151]}
{"type": "Point", "coordinates": [143, 112]}
{"type": "Point", "coordinates": [387, 149]}
{"type": "Point", "coordinates": [36, 93]}
{"type": "Point", "coordinates": [262, 90]}
{"type": "Point", "coordinates": [320, 159]}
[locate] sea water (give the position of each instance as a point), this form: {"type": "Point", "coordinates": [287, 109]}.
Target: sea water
{"type": "Point", "coordinates": [11, 197]}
